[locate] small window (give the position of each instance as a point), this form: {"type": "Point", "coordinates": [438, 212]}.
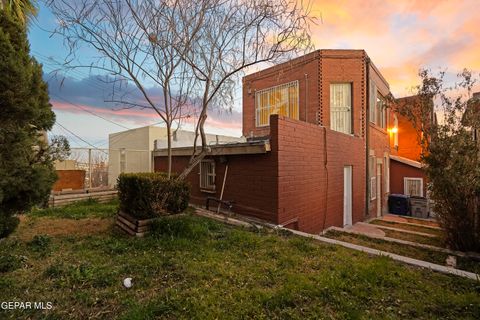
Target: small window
{"type": "Point", "coordinates": [413, 187]}
{"type": "Point", "coordinates": [373, 188]}
{"type": "Point", "coordinates": [373, 178]}
{"type": "Point", "coordinates": [207, 175]}
{"type": "Point", "coordinates": [282, 100]}
{"type": "Point", "coordinates": [341, 107]}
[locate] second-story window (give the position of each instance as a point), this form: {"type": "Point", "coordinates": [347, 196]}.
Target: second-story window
{"type": "Point", "coordinates": [341, 107]}
{"type": "Point", "coordinates": [381, 111]}
{"type": "Point", "coordinates": [282, 100]}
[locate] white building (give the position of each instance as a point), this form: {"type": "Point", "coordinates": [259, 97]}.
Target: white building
{"type": "Point", "coordinates": [132, 150]}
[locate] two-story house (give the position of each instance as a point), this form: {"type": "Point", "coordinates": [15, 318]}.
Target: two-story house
{"type": "Point", "coordinates": [318, 145]}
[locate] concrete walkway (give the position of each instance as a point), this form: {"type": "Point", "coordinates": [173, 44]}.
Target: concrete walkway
{"type": "Point", "coordinates": [366, 229]}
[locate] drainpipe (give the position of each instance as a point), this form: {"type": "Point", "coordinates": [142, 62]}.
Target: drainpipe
{"type": "Point", "coordinates": [367, 137]}
{"type": "Point", "coordinates": [306, 97]}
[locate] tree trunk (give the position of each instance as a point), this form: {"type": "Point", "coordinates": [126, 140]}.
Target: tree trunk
{"type": "Point", "coordinates": [169, 149]}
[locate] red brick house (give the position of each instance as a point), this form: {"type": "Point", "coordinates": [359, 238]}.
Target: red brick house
{"type": "Point", "coordinates": [318, 146]}
{"type": "Point", "coordinates": [407, 175]}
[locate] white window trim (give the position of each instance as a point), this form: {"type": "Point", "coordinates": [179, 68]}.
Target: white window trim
{"type": "Point", "coordinates": [210, 188]}
{"type": "Point", "coordinates": [415, 179]}
{"type": "Point", "coordinates": [285, 85]}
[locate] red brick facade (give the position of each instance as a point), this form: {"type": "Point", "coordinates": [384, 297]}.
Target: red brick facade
{"type": "Point", "coordinates": [300, 182]}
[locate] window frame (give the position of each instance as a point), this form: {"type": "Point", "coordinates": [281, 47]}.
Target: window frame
{"type": "Point", "coordinates": [380, 111]}
{"type": "Point", "coordinates": [405, 179]}
{"type": "Point", "coordinates": [205, 179]}
{"type": "Point", "coordinates": [373, 187]}
{"type": "Point", "coordinates": [351, 123]}
{"type": "Point", "coordinates": [286, 86]}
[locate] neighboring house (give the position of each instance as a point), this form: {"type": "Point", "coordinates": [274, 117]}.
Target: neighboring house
{"type": "Point", "coordinates": [317, 150]}
{"type": "Point", "coordinates": [406, 173]}
{"type": "Point", "coordinates": [131, 150]}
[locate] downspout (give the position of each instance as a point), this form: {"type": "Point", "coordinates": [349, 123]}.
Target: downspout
{"type": "Point", "coordinates": [367, 137]}
{"type": "Point", "coordinates": [306, 97]}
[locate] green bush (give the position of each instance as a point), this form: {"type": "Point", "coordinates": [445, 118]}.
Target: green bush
{"type": "Point", "coordinates": [146, 195]}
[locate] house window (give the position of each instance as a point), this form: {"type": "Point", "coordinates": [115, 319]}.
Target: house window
{"type": "Point", "coordinates": [341, 107]}
{"type": "Point", "coordinates": [413, 187]}
{"type": "Point", "coordinates": [373, 188]}
{"type": "Point", "coordinates": [381, 112]}
{"type": "Point", "coordinates": [373, 99]}
{"type": "Point", "coordinates": [282, 100]}
{"type": "Point", "coordinates": [377, 105]}
{"type": "Point", "coordinates": [207, 175]}
{"type": "Point", "coordinates": [373, 178]}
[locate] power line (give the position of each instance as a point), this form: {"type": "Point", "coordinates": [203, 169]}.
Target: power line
{"type": "Point", "coordinates": [80, 138]}
{"type": "Point", "coordinates": [91, 112]}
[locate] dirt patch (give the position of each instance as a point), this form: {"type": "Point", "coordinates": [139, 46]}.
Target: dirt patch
{"type": "Point", "coordinates": [30, 227]}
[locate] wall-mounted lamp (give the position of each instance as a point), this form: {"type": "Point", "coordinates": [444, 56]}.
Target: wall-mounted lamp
{"type": "Point", "coordinates": [393, 130]}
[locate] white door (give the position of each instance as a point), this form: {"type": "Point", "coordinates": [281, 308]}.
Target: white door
{"type": "Point", "coordinates": [379, 190]}
{"type": "Point", "coordinates": [347, 196]}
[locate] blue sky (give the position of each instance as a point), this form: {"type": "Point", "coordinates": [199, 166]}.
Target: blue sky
{"type": "Point", "coordinates": [400, 36]}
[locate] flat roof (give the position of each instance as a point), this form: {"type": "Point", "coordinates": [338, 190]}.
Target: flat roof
{"type": "Point", "coordinates": [236, 148]}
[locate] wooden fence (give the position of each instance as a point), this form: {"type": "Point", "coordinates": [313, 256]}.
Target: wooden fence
{"type": "Point", "coordinates": [60, 200]}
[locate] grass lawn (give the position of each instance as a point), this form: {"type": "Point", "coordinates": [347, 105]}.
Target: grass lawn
{"type": "Point", "coordinates": [405, 250]}
{"type": "Point", "coordinates": [192, 267]}
{"type": "Point", "coordinates": [437, 241]}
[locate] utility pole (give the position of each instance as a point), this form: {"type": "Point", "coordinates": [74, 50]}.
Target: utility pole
{"type": "Point", "coordinates": [90, 168]}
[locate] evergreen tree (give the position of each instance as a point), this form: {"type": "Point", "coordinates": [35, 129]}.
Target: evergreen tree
{"type": "Point", "coordinates": [26, 166]}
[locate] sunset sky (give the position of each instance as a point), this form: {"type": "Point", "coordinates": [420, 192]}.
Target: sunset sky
{"type": "Point", "coordinates": [399, 36]}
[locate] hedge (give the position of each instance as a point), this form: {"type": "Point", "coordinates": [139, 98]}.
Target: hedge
{"type": "Point", "coordinates": [146, 195]}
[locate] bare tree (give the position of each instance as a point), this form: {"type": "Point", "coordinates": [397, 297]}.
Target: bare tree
{"type": "Point", "coordinates": [139, 42]}
{"type": "Point", "coordinates": [195, 51]}
{"type": "Point", "coordinates": [237, 35]}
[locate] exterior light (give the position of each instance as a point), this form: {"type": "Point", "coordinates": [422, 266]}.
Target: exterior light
{"type": "Point", "coordinates": [393, 130]}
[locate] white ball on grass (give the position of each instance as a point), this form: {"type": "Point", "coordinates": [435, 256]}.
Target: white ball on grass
{"type": "Point", "coordinates": [127, 282]}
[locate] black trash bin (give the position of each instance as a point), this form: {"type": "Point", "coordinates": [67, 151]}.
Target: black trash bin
{"type": "Point", "coordinates": [399, 204]}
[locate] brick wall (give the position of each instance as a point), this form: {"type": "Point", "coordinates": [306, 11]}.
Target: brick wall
{"type": "Point", "coordinates": [304, 69]}
{"type": "Point", "coordinates": [290, 181]}
{"type": "Point", "coordinates": [310, 195]}
{"type": "Point", "coordinates": [69, 179]}
{"type": "Point", "coordinates": [251, 182]}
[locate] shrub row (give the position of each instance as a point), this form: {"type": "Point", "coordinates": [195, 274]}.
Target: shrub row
{"type": "Point", "coordinates": [146, 195]}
